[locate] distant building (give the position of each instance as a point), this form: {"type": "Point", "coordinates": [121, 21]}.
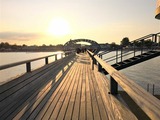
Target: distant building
{"type": "Point", "coordinates": [158, 10]}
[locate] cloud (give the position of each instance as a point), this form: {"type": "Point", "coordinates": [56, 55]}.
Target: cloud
{"type": "Point", "coordinates": [18, 36]}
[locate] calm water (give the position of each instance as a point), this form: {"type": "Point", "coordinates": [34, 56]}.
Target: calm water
{"type": "Point", "coordinates": [144, 73]}
{"type": "Point", "coordinates": [11, 57]}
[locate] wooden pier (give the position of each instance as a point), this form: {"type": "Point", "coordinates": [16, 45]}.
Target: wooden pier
{"type": "Point", "coordinates": [69, 89]}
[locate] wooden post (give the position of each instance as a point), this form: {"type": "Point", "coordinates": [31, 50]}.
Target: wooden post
{"type": "Point", "coordinates": [148, 87]}
{"type": "Point", "coordinates": [142, 41]}
{"type": "Point", "coordinates": [155, 38]}
{"type": "Point", "coordinates": [153, 89]}
{"type": "Point", "coordinates": [101, 57]}
{"type": "Point", "coordinates": [121, 52]}
{"type": "Point", "coordinates": [134, 48]}
{"type": "Point", "coordinates": [46, 60]}
{"type": "Point", "coordinates": [99, 67]}
{"type": "Point", "coordinates": [113, 86]}
{"type": "Point", "coordinates": [28, 67]}
{"type": "Point", "coordinates": [56, 57]}
{"type": "Point", "coordinates": [93, 62]}
{"type": "Point", "coordinates": [61, 55]}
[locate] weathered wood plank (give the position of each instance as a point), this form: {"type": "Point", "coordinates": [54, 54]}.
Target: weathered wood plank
{"type": "Point", "coordinates": [33, 101]}
{"type": "Point", "coordinates": [99, 97]}
{"type": "Point", "coordinates": [51, 97]}
{"type": "Point", "coordinates": [151, 105]}
{"type": "Point", "coordinates": [89, 111]}
{"type": "Point", "coordinates": [69, 110]}
{"type": "Point", "coordinates": [20, 90]}
{"type": "Point", "coordinates": [76, 109]}
{"type": "Point", "coordinates": [54, 102]}
{"type": "Point", "coordinates": [82, 115]}
{"type": "Point", "coordinates": [67, 96]}
{"type": "Point", "coordinates": [96, 114]}
{"type": "Point", "coordinates": [114, 108]}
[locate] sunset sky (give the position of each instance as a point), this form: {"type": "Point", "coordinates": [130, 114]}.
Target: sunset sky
{"type": "Point", "coordinates": [37, 22]}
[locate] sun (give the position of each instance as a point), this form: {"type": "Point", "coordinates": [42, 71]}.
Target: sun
{"type": "Point", "coordinates": [59, 27]}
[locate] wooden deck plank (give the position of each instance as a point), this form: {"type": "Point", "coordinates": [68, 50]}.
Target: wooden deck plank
{"type": "Point", "coordinates": [64, 100]}
{"type": "Point", "coordinates": [10, 104]}
{"type": "Point", "coordinates": [63, 96]}
{"type": "Point", "coordinates": [89, 111]}
{"type": "Point", "coordinates": [77, 102]}
{"type": "Point", "coordinates": [99, 98]}
{"type": "Point", "coordinates": [77, 93]}
{"type": "Point", "coordinates": [53, 103]}
{"type": "Point", "coordinates": [96, 114]}
{"type": "Point", "coordinates": [43, 102]}
{"type": "Point", "coordinates": [82, 115]}
{"type": "Point", "coordinates": [51, 96]}
{"type": "Point", "coordinates": [69, 110]}
{"type": "Point", "coordinates": [33, 102]}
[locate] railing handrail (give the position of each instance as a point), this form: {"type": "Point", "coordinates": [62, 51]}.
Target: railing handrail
{"type": "Point", "coordinates": [141, 38]}
{"type": "Point", "coordinates": [148, 103]}
{"type": "Point", "coordinates": [25, 61]}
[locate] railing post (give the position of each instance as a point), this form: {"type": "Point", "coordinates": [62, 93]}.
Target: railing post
{"type": "Point", "coordinates": [117, 55]}
{"type": "Point", "coordinates": [93, 62]}
{"type": "Point", "coordinates": [99, 67]}
{"type": "Point", "coordinates": [142, 41]}
{"type": "Point", "coordinates": [121, 52]}
{"type": "Point", "coordinates": [46, 60]}
{"type": "Point", "coordinates": [134, 47]}
{"type": "Point", "coordinates": [56, 57]}
{"type": "Point", "coordinates": [113, 86]}
{"type": "Point", "coordinates": [155, 38]}
{"type": "Point", "coordinates": [61, 55]}
{"type": "Point", "coordinates": [153, 89]}
{"type": "Point", "coordinates": [28, 66]}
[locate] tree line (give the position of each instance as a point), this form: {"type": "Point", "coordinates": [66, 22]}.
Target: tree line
{"type": "Point", "coordinates": [125, 42]}
{"type": "Point", "coordinates": [5, 46]}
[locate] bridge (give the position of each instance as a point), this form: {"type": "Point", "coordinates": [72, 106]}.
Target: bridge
{"type": "Point", "coordinates": [76, 87]}
{"type": "Point", "coordinates": [71, 45]}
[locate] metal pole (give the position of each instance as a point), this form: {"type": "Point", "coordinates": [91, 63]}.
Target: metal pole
{"type": "Point", "coordinates": [117, 55]}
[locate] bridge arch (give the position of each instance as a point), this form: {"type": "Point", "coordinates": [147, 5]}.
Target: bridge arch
{"type": "Point", "coordinates": [71, 44]}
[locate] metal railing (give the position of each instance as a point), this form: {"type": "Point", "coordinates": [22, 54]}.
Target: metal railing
{"type": "Point", "coordinates": [136, 46]}
{"type": "Point", "coordinates": [148, 103]}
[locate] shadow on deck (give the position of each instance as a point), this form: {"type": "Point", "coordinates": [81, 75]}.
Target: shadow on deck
{"type": "Point", "coordinates": [66, 89]}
